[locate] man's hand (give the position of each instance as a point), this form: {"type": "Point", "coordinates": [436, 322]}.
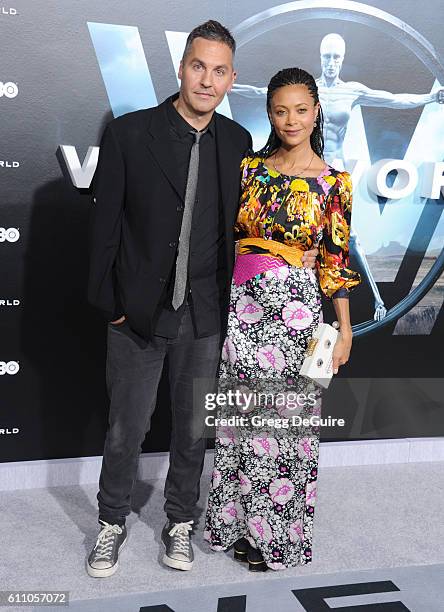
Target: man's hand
{"type": "Point", "coordinates": [121, 320]}
{"type": "Point", "coordinates": [309, 258]}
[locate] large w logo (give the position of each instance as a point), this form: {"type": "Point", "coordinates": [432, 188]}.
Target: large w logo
{"type": "Point", "coordinates": [129, 86]}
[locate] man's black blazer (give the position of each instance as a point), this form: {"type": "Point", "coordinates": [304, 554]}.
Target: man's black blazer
{"type": "Point", "coordinates": [137, 212]}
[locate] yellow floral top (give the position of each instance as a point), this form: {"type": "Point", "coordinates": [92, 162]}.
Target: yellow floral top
{"type": "Point", "coordinates": [302, 212]}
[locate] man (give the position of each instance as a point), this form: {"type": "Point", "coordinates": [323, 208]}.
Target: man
{"type": "Point", "coordinates": [166, 192]}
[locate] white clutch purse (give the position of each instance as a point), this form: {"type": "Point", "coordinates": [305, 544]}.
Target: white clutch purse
{"type": "Point", "coordinates": [318, 362]}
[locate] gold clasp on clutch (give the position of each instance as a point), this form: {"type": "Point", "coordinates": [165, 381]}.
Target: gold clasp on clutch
{"type": "Point", "coordinates": [311, 346]}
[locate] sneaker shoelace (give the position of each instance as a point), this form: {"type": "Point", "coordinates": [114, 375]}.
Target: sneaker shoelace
{"type": "Point", "coordinates": [104, 544]}
{"type": "Point", "coordinates": [181, 538]}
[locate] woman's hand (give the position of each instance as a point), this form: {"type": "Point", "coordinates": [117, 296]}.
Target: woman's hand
{"type": "Point", "coordinates": [342, 348]}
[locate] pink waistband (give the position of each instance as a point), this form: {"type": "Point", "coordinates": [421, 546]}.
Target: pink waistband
{"type": "Point", "coordinates": [249, 264]}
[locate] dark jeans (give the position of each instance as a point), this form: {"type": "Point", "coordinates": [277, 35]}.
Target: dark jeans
{"type": "Point", "coordinates": [133, 371]}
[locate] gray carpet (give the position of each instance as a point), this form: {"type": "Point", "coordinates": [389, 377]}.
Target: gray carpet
{"type": "Point", "coordinates": [419, 589]}
{"type": "Point", "coordinates": [367, 517]}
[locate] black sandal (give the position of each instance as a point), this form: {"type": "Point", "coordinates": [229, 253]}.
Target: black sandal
{"type": "Point", "coordinates": [256, 561]}
{"type": "Point", "coordinates": [241, 548]}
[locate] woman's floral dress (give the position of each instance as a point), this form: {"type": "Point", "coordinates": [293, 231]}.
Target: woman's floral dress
{"type": "Point", "coordinates": [263, 485]}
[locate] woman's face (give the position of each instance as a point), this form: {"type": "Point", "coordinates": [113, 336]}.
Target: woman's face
{"type": "Point", "coordinates": [293, 113]}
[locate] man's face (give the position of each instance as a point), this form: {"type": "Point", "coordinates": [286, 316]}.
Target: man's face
{"type": "Point", "coordinates": [206, 75]}
{"type": "Point", "coordinates": [332, 56]}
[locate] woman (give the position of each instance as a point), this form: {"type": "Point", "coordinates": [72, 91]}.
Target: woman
{"type": "Point", "coordinates": [263, 488]}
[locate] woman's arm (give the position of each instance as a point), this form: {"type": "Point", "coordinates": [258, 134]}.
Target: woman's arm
{"type": "Point", "coordinates": [335, 277]}
{"type": "Point", "coordinates": [341, 351]}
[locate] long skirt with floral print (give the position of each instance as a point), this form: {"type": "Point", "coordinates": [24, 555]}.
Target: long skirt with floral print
{"type": "Point", "coordinates": [263, 487]}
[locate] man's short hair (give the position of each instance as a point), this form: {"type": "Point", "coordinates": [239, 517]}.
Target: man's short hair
{"type": "Point", "coordinates": [210, 30]}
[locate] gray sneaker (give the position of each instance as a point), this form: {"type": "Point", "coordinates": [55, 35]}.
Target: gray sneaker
{"type": "Point", "coordinates": [178, 550]}
{"type": "Point", "coordinates": [103, 560]}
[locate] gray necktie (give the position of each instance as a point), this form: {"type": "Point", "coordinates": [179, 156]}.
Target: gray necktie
{"type": "Point", "coordinates": [184, 238]}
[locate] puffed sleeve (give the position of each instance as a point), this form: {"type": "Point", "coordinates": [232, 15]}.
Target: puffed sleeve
{"type": "Point", "coordinates": [244, 171]}
{"type": "Point", "coordinates": [335, 277]}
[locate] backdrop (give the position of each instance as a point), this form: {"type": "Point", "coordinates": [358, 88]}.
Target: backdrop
{"type": "Point", "coordinates": [69, 67]}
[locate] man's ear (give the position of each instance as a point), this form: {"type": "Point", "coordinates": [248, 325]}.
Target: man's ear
{"type": "Point", "coordinates": [233, 78]}
{"type": "Point", "coordinates": [179, 74]}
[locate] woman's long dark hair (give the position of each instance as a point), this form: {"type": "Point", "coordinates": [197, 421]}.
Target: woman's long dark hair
{"type": "Point", "coordinates": [294, 76]}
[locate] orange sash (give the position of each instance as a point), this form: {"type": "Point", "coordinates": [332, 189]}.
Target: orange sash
{"type": "Point", "coordinates": [291, 254]}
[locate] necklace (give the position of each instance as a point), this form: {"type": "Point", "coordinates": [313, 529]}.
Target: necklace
{"type": "Point", "coordinates": [300, 173]}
